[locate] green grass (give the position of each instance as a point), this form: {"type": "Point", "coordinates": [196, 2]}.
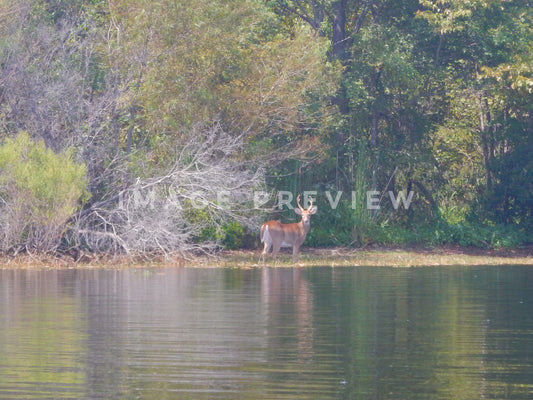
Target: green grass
{"type": "Point", "coordinates": [378, 257]}
{"type": "Point", "coordinates": [309, 257]}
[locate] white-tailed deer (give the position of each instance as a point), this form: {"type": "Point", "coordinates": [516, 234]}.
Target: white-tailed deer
{"type": "Point", "coordinates": [275, 234]}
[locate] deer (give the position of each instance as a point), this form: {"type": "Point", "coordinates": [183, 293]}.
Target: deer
{"type": "Point", "coordinates": [275, 234]}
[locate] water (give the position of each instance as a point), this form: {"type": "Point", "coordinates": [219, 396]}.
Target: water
{"type": "Point", "coordinates": [319, 333]}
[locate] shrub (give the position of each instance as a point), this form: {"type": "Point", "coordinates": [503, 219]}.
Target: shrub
{"type": "Point", "coordinates": [233, 235]}
{"type": "Point", "coordinates": [39, 192]}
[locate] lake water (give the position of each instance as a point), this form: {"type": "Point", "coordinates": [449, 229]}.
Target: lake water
{"type": "Point", "coordinates": [287, 333]}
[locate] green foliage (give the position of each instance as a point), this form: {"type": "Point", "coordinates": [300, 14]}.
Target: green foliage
{"type": "Point", "coordinates": [464, 234]}
{"type": "Point", "coordinates": [233, 236]}
{"type": "Point", "coordinates": [447, 16]}
{"type": "Point", "coordinates": [40, 190]}
{"type": "Point", "coordinates": [431, 95]}
{"type": "Point", "coordinates": [230, 236]}
{"type": "Point", "coordinates": [363, 218]}
{"type": "Point", "coordinates": [332, 227]}
{"type": "Point", "coordinates": [511, 200]}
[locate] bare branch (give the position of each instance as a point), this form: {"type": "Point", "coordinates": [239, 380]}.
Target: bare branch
{"type": "Point", "coordinates": [302, 13]}
{"type": "Point", "coordinates": [206, 187]}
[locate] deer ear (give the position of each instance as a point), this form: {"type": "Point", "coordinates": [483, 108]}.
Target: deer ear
{"type": "Point", "coordinates": [313, 210]}
{"type": "Point", "coordinates": [298, 211]}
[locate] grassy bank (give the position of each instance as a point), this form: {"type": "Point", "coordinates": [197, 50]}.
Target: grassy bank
{"type": "Point", "coordinates": [381, 257]}
{"type": "Point", "coordinates": [309, 257]}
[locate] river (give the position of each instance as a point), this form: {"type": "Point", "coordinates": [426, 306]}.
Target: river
{"type": "Point", "coordinates": [267, 333]}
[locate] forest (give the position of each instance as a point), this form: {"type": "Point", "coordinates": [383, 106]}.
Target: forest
{"type": "Point", "coordinates": [176, 126]}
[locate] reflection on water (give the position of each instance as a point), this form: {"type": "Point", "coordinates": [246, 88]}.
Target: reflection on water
{"type": "Point", "coordinates": [321, 333]}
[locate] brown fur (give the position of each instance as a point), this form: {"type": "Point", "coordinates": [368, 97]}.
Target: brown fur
{"type": "Point", "coordinates": [274, 234]}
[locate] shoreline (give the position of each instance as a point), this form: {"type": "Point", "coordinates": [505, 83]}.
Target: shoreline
{"type": "Point", "coordinates": [309, 257]}
{"type": "Point", "coordinates": [389, 257]}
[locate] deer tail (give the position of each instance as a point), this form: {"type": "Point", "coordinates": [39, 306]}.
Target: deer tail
{"type": "Point", "coordinates": [264, 232]}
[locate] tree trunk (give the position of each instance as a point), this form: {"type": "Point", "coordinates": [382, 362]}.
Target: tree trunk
{"type": "Point", "coordinates": [487, 143]}
{"type": "Point", "coordinates": [339, 39]}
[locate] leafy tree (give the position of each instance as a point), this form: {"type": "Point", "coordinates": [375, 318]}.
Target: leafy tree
{"type": "Point", "coordinates": [39, 191]}
{"type": "Point", "coordinates": [510, 112]}
{"type": "Point", "coordinates": [489, 112]}
{"type": "Point", "coordinates": [425, 86]}
{"type": "Point", "coordinates": [218, 61]}
{"type": "Point", "coordinates": [354, 95]}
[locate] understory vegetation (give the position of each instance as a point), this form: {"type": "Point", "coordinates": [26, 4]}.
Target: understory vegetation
{"type": "Point", "coordinates": [170, 126]}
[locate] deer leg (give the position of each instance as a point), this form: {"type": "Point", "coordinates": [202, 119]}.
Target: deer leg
{"type": "Point", "coordinates": [295, 250]}
{"type": "Point", "coordinates": [266, 248]}
{"type": "Point", "coordinates": [275, 250]}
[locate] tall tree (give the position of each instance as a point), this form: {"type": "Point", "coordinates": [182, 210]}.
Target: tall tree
{"type": "Point", "coordinates": [226, 61]}
{"type": "Point", "coordinates": [486, 47]}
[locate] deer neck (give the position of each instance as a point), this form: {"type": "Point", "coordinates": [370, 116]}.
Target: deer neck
{"type": "Point", "coordinates": [304, 227]}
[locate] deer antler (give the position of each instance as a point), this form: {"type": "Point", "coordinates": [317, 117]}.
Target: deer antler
{"type": "Point", "coordinates": [298, 203]}
{"type": "Point", "coordinates": [300, 206]}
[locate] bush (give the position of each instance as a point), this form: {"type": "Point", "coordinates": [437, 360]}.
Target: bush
{"type": "Point", "coordinates": [233, 236]}
{"type": "Point", "coordinates": [462, 233]}
{"type": "Point", "coordinates": [331, 227]}
{"type": "Point", "coordinates": [39, 192]}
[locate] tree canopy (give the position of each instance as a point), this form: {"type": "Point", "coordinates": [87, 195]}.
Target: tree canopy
{"type": "Point", "coordinates": [428, 97]}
